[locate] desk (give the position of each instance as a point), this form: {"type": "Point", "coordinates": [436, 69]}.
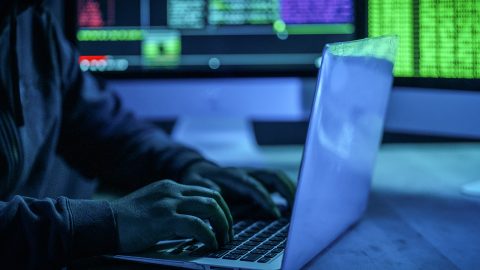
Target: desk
{"type": "Point", "coordinates": [416, 217]}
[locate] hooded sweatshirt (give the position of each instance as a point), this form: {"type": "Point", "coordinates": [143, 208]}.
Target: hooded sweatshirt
{"type": "Point", "coordinates": [52, 114]}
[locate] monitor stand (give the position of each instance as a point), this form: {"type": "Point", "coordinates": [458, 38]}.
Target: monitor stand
{"type": "Point", "coordinates": [472, 189]}
{"type": "Point", "coordinates": [228, 141]}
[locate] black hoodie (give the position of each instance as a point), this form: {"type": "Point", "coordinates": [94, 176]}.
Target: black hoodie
{"type": "Point", "coordinates": [51, 113]}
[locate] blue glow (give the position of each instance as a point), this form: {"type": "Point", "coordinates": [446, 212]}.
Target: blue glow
{"type": "Point", "coordinates": [343, 139]}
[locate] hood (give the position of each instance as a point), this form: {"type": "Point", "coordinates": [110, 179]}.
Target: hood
{"type": "Point", "coordinates": [7, 7]}
{"type": "Point", "coordinates": [9, 10]}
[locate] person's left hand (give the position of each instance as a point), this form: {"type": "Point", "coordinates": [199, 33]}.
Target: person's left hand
{"type": "Point", "coordinates": [241, 187]}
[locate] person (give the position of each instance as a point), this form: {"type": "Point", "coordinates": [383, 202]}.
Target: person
{"type": "Point", "coordinates": [53, 114]}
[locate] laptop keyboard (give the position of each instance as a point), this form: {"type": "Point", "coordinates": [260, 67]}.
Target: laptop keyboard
{"type": "Point", "coordinates": [254, 241]}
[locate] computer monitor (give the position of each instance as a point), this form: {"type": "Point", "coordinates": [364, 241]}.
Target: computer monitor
{"type": "Point", "coordinates": [165, 57]}
{"type": "Point", "coordinates": [437, 70]}
{"type": "Point", "coordinates": [193, 36]}
{"type": "Point", "coordinates": [439, 50]}
{"type": "Point", "coordinates": [438, 39]}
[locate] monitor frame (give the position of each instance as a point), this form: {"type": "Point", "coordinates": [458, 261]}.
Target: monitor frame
{"type": "Point", "coordinates": [417, 82]}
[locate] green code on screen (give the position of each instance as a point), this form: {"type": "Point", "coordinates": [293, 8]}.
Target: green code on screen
{"type": "Point", "coordinates": [438, 38]}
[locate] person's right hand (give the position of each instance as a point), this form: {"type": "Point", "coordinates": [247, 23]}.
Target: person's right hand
{"type": "Point", "coordinates": [165, 209]}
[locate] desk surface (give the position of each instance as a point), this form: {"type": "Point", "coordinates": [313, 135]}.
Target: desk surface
{"type": "Point", "coordinates": [417, 218]}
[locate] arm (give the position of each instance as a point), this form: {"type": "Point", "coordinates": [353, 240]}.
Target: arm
{"type": "Point", "coordinates": [46, 234]}
{"type": "Point", "coordinates": [50, 233]}
{"type": "Point", "coordinates": [102, 140]}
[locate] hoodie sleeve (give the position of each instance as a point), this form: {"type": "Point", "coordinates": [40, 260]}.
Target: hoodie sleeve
{"type": "Point", "coordinates": [48, 233]}
{"type": "Point", "coordinates": [103, 140]}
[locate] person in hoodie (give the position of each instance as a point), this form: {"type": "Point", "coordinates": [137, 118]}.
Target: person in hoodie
{"type": "Point", "coordinates": [54, 116]}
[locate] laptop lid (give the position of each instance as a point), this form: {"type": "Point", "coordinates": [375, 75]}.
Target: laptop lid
{"type": "Point", "coordinates": [343, 138]}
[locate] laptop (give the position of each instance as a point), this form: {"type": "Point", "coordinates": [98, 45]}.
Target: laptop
{"type": "Point", "coordinates": [343, 138]}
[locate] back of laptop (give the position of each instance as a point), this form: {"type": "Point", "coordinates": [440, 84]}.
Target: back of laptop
{"type": "Point", "coordinates": [345, 130]}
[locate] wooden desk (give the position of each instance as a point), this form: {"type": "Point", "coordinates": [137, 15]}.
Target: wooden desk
{"type": "Point", "coordinates": [416, 218]}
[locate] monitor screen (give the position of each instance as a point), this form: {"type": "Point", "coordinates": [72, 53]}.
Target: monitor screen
{"type": "Point", "coordinates": [438, 38]}
{"type": "Point", "coordinates": [165, 36]}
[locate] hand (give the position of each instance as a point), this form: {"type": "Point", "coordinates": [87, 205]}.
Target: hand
{"type": "Point", "coordinates": [242, 186]}
{"type": "Point", "coordinates": [165, 209]}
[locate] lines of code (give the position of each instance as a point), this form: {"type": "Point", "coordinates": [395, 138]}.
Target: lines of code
{"type": "Point", "coordinates": [235, 12]}
{"type": "Point", "coordinates": [195, 14]}
{"type": "Point", "coordinates": [450, 38]}
{"type": "Point", "coordinates": [395, 17]}
{"type": "Point", "coordinates": [186, 13]}
{"type": "Point", "coordinates": [438, 38]}
{"type": "Point", "coordinates": [316, 11]}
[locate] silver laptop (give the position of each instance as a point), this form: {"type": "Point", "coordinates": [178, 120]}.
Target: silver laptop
{"type": "Point", "coordinates": [344, 134]}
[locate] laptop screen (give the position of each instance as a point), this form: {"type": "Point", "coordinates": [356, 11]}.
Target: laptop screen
{"type": "Point", "coordinates": [344, 134]}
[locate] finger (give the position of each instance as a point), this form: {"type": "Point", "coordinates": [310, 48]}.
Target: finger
{"type": "Point", "coordinates": [207, 208]}
{"type": "Point", "coordinates": [203, 182]}
{"type": "Point", "coordinates": [270, 178]}
{"type": "Point", "coordinates": [260, 195]}
{"type": "Point", "coordinates": [240, 181]}
{"type": "Point", "coordinates": [205, 192]}
{"type": "Point", "coordinates": [277, 181]}
{"type": "Point", "coordinates": [193, 227]}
